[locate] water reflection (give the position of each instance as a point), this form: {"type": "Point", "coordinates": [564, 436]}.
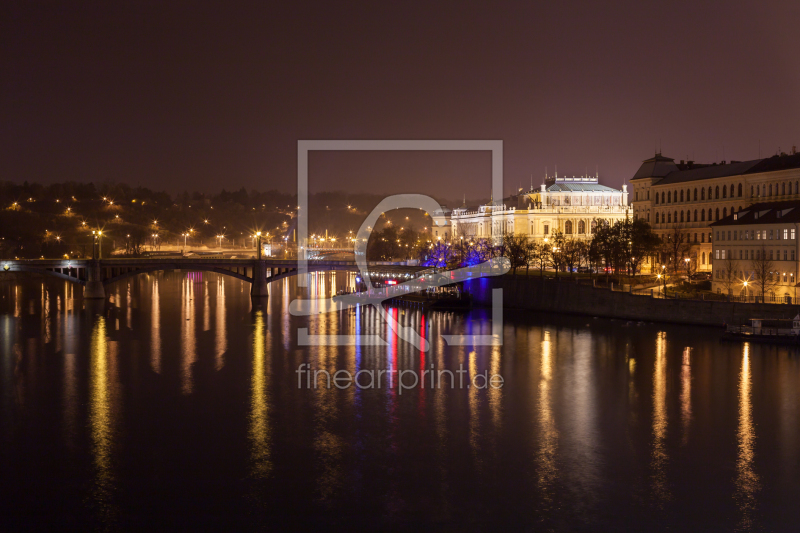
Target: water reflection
{"type": "Point", "coordinates": [259, 403]}
{"type": "Point", "coordinates": [221, 336]}
{"type": "Point", "coordinates": [548, 442]}
{"type": "Point", "coordinates": [101, 422]}
{"type": "Point", "coordinates": [747, 482]}
{"type": "Point", "coordinates": [580, 438]}
{"type": "Point", "coordinates": [686, 393]}
{"type": "Point", "coordinates": [155, 327]}
{"type": "Point", "coordinates": [188, 339]}
{"type": "Point", "coordinates": [659, 455]}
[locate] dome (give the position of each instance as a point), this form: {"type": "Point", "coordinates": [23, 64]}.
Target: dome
{"type": "Point", "coordinates": [656, 167]}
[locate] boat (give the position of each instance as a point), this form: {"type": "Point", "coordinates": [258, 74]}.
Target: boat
{"type": "Point", "coordinates": [774, 331]}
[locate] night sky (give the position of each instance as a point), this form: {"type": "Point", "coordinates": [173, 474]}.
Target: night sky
{"type": "Point", "coordinates": [201, 96]}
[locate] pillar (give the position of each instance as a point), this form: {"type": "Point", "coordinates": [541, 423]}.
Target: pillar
{"type": "Point", "coordinates": [94, 281]}
{"type": "Point", "coordinates": [259, 288]}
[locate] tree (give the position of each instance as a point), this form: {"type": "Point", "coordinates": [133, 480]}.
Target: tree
{"type": "Point", "coordinates": [674, 249]}
{"type": "Point", "coordinates": [572, 254]}
{"type": "Point", "coordinates": [515, 249]}
{"type": "Point", "coordinates": [763, 275]}
{"type": "Point", "coordinates": [727, 274]}
{"type": "Point", "coordinates": [541, 255]}
{"type": "Point", "coordinates": [640, 239]}
{"type": "Point", "coordinates": [557, 242]}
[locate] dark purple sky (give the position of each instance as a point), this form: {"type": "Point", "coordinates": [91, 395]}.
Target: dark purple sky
{"type": "Point", "coordinates": [178, 95]}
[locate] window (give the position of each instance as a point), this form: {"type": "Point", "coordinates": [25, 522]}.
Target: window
{"type": "Point", "coordinates": [709, 215]}
{"type": "Point", "coordinates": [786, 234]}
{"type": "Point", "coordinates": [702, 215]}
{"type": "Point", "coordinates": [669, 217]}
{"type": "Point", "coordinates": [724, 191]}
{"type": "Point", "coordinates": [547, 229]}
{"type": "Point", "coordinates": [770, 252]}
{"type": "Point", "coordinates": [740, 253]}
{"type": "Point", "coordinates": [731, 190]}
{"type": "Point", "coordinates": [695, 195]}
{"type": "Point", "coordinates": [648, 194]}
{"type": "Point", "coordinates": [770, 189]}
{"type": "Point", "coordinates": [747, 254]}
{"type": "Point", "coordinates": [568, 227]}
{"type": "Point", "coordinates": [702, 237]}
{"type": "Point", "coordinates": [656, 218]}
{"type": "Point", "coordinates": [681, 214]}
{"type": "Point", "coordinates": [751, 191]}
{"type": "Point", "coordinates": [734, 235]}
{"type": "Point", "coordinates": [716, 213]}
{"type": "Point", "coordinates": [681, 195]}
{"type": "Point", "coordinates": [709, 192]}
{"type": "Point", "coordinates": [783, 192]}
{"type": "Point", "coordinates": [724, 212]}
{"type": "Point", "coordinates": [676, 217]}
{"type": "Point", "coordinates": [581, 227]}
{"type": "Point", "coordinates": [723, 254]}
{"type": "Point", "coordinates": [792, 234]}
{"type": "Point", "coordinates": [770, 234]}
{"type": "Point", "coordinates": [669, 197]}
{"type": "Point", "coordinates": [695, 237]}
{"type": "Point", "coordinates": [740, 190]}
{"type": "Point", "coordinates": [717, 192]}
{"type": "Point", "coordinates": [792, 255]}
{"type": "Point", "coordinates": [785, 255]}
{"type": "Point", "coordinates": [702, 194]}
{"type": "Point", "coordinates": [758, 235]}
{"type": "Point", "coordinates": [703, 258]}
{"type": "Point", "coordinates": [729, 235]}
{"type": "Point", "coordinates": [656, 198]}
{"type": "Point", "coordinates": [716, 254]}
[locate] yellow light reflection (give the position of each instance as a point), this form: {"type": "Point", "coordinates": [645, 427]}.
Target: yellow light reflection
{"type": "Point", "coordinates": [101, 421]}
{"type": "Point", "coordinates": [155, 328]}
{"type": "Point", "coordinates": [188, 339]}
{"type": "Point", "coordinates": [686, 393]}
{"type": "Point", "coordinates": [747, 482]}
{"type": "Point", "coordinates": [659, 454]}
{"type": "Point", "coordinates": [548, 470]}
{"type": "Point", "coordinates": [221, 334]}
{"type": "Point", "coordinates": [259, 404]}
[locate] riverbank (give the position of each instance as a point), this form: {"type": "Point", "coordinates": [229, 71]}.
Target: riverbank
{"type": "Point", "coordinates": [547, 295]}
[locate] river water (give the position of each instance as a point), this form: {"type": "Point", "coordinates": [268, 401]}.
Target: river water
{"type": "Point", "coordinates": [176, 404]}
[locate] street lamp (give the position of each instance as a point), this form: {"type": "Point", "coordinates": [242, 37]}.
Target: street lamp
{"type": "Point", "coordinates": [258, 234]}
{"type": "Point", "coordinates": [745, 290]}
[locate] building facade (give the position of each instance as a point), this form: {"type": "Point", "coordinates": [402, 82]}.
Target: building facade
{"type": "Point", "coordinates": [574, 206]}
{"type": "Point", "coordinates": [758, 245]}
{"type": "Point", "coordinates": [683, 199]}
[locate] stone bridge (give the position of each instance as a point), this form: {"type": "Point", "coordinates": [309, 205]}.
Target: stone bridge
{"type": "Point", "coordinates": [94, 274]}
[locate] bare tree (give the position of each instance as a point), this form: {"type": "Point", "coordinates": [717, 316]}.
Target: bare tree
{"type": "Point", "coordinates": [728, 274]}
{"type": "Point", "coordinates": [764, 276]}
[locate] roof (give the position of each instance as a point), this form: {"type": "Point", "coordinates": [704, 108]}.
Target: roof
{"type": "Point", "coordinates": [666, 169]}
{"type": "Point", "coordinates": [712, 171]}
{"type": "Point", "coordinates": [579, 187]}
{"type": "Point", "coordinates": [763, 213]}
{"type": "Point", "coordinates": [656, 167]}
{"type": "Point", "coordinates": [775, 163]}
